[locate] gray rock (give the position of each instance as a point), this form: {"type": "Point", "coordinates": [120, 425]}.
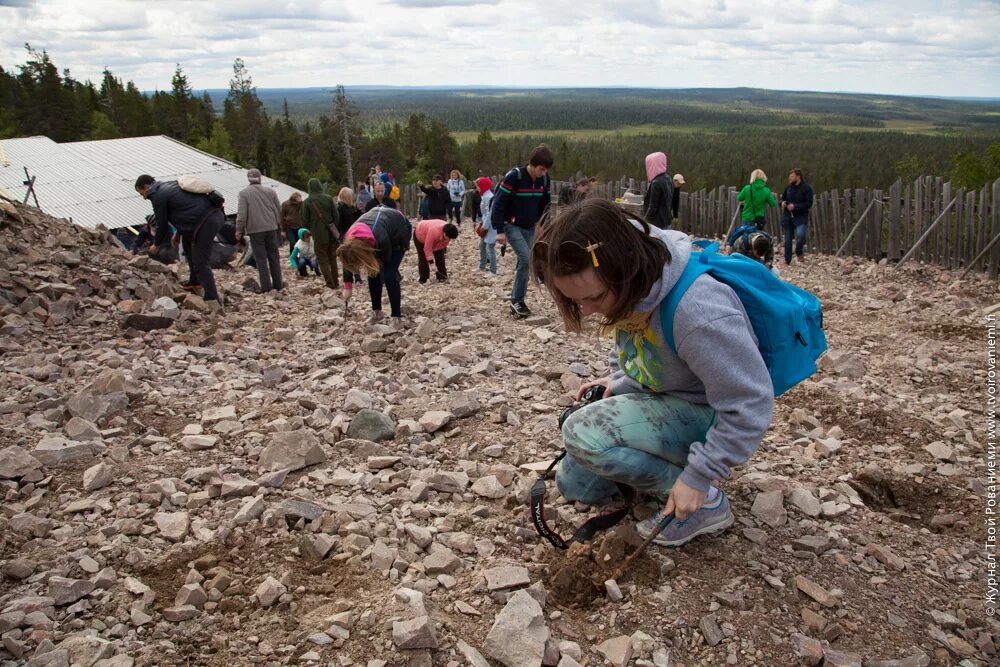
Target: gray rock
{"type": "Point", "coordinates": [56, 658]}
{"type": "Point", "coordinates": [57, 451]}
{"type": "Point", "coordinates": [67, 591]}
{"type": "Point", "coordinates": [300, 509]}
{"type": "Point", "coordinates": [180, 613]}
{"type": "Point", "coordinates": [489, 487]}
{"type": "Point", "coordinates": [519, 633]}
{"type": "Point", "coordinates": [89, 407]}
{"type": "Point", "coordinates": [98, 476]}
{"type": "Point", "coordinates": [357, 400]}
{"type": "Point", "coordinates": [769, 507]}
{"type": "Point", "coordinates": [710, 630]}
{"type": "Point", "coordinates": [505, 577]}
{"type": "Point", "coordinates": [371, 425]}
{"type": "Point", "coordinates": [194, 443]}
{"type": "Point", "coordinates": [291, 450]}
{"type": "Point", "coordinates": [442, 561]}
{"type": "Point", "coordinates": [173, 525]}
{"type": "Point", "coordinates": [472, 656]}
{"type": "Point", "coordinates": [81, 429]}
{"type": "Point", "coordinates": [16, 463]}
{"type": "Point", "coordinates": [803, 500]}
{"type": "Point", "coordinates": [435, 420]}
{"type": "Point", "coordinates": [415, 633]}
{"type": "Point", "coordinates": [85, 650]}
{"type": "Point", "coordinates": [816, 544]}
{"type": "Point", "coordinates": [617, 650]}
{"type": "Point", "coordinates": [269, 591]}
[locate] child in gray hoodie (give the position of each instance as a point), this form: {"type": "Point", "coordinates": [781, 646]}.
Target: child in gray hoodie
{"type": "Point", "coordinates": [670, 425]}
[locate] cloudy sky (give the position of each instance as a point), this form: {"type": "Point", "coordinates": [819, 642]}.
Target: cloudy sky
{"type": "Point", "coordinates": [919, 47]}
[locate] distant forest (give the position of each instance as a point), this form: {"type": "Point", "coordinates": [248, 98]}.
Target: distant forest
{"type": "Point", "coordinates": [714, 137]}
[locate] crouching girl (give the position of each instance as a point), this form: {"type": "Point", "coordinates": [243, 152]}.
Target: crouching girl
{"type": "Point", "coordinates": [670, 425]}
{"type": "Point", "coordinates": [376, 244]}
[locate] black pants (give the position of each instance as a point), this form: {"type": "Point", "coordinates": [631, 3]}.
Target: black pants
{"type": "Point", "coordinates": [265, 253]}
{"type": "Point", "coordinates": [293, 237]}
{"type": "Point", "coordinates": [198, 247]}
{"type": "Point", "coordinates": [424, 267]}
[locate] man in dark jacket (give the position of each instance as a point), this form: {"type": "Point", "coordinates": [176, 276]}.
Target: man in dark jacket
{"type": "Point", "coordinates": [438, 198]}
{"type": "Point", "coordinates": [319, 216]}
{"type": "Point", "coordinates": [796, 201]}
{"type": "Point", "coordinates": [571, 194]}
{"type": "Point", "coordinates": [520, 202]}
{"type": "Point", "coordinates": [194, 216]}
{"type": "Point", "coordinates": [381, 198]}
{"type": "Point", "coordinates": [675, 204]}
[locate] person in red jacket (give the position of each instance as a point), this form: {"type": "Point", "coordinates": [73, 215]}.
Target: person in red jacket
{"type": "Point", "coordinates": [431, 238]}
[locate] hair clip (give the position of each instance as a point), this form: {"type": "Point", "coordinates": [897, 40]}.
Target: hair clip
{"type": "Point", "coordinates": [592, 248]}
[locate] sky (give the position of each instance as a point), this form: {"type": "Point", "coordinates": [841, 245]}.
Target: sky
{"type": "Point", "coordinates": [918, 47]}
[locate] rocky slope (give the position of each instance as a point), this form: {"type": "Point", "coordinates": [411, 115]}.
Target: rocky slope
{"type": "Point", "coordinates": [284, 484]}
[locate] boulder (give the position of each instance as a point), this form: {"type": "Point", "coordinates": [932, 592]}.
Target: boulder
{"type": "Point", "coordinates": [16, 463]}
{"type": "Point", "coordinates": [291, 450]}
{"type": "Point", "coordinates": [519, 633]}
{"type": "Point", "coordinates": [372, 425]}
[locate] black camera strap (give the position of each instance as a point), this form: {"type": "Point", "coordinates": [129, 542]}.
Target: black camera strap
{"type": "Point", "coordinates": [591, 527]}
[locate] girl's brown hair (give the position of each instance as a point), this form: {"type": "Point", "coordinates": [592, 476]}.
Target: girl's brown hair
{"type": "Point", "coordinates": [356, 254]}
{"type": "Point", "coordinates": [630, 261]}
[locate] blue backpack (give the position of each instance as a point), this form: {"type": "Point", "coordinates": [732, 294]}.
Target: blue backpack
{"type": "Point", "coordinates": [787, 320]}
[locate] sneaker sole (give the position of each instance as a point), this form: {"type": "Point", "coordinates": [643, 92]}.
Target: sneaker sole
{"type": "Point", "coordinates": [726, 523]}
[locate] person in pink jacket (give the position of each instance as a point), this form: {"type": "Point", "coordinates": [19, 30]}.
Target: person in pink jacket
{"type": "Point", "coordinates": [431, 238]}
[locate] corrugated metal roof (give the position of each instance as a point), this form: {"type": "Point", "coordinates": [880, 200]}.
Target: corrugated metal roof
{"type": "Point", "coordinates": [91, 182]}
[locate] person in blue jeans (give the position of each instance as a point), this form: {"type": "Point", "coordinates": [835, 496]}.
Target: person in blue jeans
{"type": "Point", "coordinates": [671, 425]}
{"type": "Point", "coordinates": [521, 199]}
{"type": "Point", "coordinates": [487, 243]}
{"type": "Point", "coordinates": [796, 201]}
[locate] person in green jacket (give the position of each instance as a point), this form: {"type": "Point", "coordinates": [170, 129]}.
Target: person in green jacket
{"type": "Point", "coordinates": [756, 197]}
{"type": "Point", "coordinates": [319, 216]}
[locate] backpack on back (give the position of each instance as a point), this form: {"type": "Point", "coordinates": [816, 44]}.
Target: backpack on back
{"type": "Point", "coordinates": [200, 186]}
{"type": "Point", "coordinates": [787, 320]}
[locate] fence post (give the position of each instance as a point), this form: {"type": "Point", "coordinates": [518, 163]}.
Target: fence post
{"type": "Point", "coordinates": [857, 225]}
{"type": "Point", "coordinates": [927, 233]}
{"type": "Point", "coordinates": [894, 202]}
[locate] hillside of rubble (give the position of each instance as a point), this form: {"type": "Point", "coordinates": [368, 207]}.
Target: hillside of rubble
{"type": "Point", "coordinates": [281, 483]}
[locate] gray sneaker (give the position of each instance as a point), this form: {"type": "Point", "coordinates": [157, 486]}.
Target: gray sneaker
{"type": "Point", "coordinates": [709, 519]}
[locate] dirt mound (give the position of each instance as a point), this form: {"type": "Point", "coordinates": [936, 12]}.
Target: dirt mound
{"type": "Point", "coordinates": [576, 577]}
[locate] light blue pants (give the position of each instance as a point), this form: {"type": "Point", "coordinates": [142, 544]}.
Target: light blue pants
{"type": "Point", "coordinates": [640, 439]}
{"type": "Point", "coordinates": [520, 241]}
{"type": "Point", "coordinates": [488, 255]}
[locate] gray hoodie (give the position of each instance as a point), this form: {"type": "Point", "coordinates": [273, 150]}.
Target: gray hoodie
{"type": "Point", "coordinates": [717, 363]}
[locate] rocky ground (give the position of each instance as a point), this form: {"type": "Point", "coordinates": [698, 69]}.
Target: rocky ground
{"type": "Point", "coordinates": [284, 484]}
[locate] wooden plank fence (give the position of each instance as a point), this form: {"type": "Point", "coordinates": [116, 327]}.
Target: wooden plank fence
{"type": "Point", "coordinates": [894, 222]}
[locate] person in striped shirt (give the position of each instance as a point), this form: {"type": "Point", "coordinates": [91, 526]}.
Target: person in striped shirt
{"type": "Point", "coordinates": [521, 200]}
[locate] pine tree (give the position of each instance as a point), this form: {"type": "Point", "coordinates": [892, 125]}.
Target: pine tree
{"type": "Point", "coordinates": [243, 113]}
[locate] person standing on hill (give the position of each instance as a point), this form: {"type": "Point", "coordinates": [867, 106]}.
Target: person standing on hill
{"type": "Point", "coordinates": [319, 216]}
{"type": "Point", "coordinates": [488, 240]}
{"type": "Point", "coordinates": [438, 198]}
{"type": "Point", "coordinates": [796, 201]}
{"type": "Point", "coordinates": [521, 200]}
{"type": "Point", "coordinates": [660, 192]}
{"type": "Point", "coordinates": [456, 189]}
{"type": "Point", "coordinates": [675, 203]}
{"type": "Point", "coordinates": [347, 214]}
{"type": "Point", "coordinates": [259, 216]}
{"type": "Point", "coordinates": [756, 197]}
{"type": "Point", "coordinates": [381, 198]}
{"type": "Point", "coordinates": [291, 219]}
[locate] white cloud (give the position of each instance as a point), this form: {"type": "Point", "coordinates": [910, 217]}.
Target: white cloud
{"type": "Point", "coordinates": [933, 47]}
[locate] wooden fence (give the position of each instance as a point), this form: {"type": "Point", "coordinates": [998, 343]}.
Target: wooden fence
{"type": "Point", "coordinates": [952, 226]}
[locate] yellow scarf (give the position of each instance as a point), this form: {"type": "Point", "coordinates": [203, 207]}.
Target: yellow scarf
{"type": "Point", "coordinates": [636, 323]}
